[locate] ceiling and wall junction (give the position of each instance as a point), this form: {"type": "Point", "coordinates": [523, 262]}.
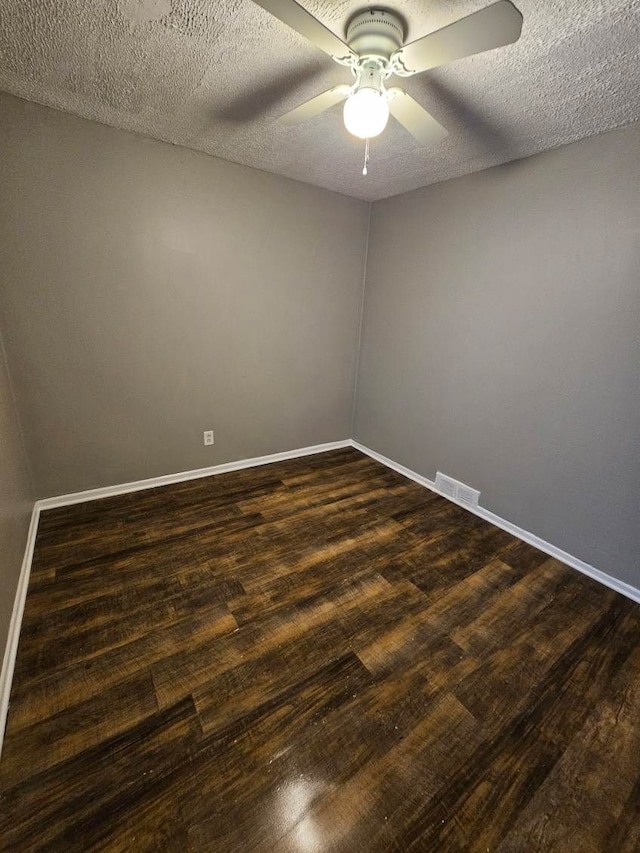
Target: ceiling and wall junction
{"type": "Point", "coordinates": [215, 76]}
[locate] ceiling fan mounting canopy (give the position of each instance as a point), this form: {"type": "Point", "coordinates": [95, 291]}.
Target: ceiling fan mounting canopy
{"type": "Point", "coordinates": [375, 33]}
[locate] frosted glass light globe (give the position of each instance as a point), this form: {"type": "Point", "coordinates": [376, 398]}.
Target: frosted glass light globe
{"type": "Point", "coordinates": [366, 113]}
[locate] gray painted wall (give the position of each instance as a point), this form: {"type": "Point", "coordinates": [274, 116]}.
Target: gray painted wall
{"type": "Point", "coordinates": [152, 292]}
{"type": "Point", "coordinates": [16, 500]}
{"type": "Point", "coordinates": [501, 342]}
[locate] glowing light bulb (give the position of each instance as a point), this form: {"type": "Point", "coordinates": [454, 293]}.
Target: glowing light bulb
{"type": "Point", "coordinates": [366, 113]}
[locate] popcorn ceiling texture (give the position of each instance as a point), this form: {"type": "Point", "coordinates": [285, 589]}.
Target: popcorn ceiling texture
{"type": "Point", "coordinates": [214, 75]}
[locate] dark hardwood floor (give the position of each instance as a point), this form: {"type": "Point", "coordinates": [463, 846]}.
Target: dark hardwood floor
{"type": "Point", "coordinates": [316, 655]}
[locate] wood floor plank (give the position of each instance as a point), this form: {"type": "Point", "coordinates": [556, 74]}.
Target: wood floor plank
{"type": "Point", "coordinates": [88, 724]}
{"type": "Point", "coordinates": [50, 692]}
{"type": "Point", "coordinates": [62, 808]}
{"type": "Point", "coordinates": [500, 621]}
{"type": "Point", "coordinates": [522, 750]}
{"type": "Point", "coordinates": [316, 655]}
{"type": "Point", "coordinates": [584, 778]}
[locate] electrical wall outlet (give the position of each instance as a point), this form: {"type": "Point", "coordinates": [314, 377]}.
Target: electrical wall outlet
{"type": "Point", "coordinates": [208, 437]}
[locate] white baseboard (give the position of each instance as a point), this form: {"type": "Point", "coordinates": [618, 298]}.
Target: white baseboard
{"type": "Point", "coordinates": [597, 574]}
{"type": "Point", "coordinates": [183, 476]}
{"type": "Point", "coordinates": [11, 649]}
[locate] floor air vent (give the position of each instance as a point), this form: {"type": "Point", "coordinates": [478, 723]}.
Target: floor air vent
{"type": "Point", "coordinates": [456, 490]}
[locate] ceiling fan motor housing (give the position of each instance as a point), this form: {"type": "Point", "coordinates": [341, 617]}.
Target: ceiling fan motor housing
{"type": "Point", "coordinates": [375, 33]}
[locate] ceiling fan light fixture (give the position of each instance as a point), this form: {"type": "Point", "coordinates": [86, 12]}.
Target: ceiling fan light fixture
{"type": "Point", "coordinates": [366, 113]}
{"type": "Point", "coordinates": [374, 50]}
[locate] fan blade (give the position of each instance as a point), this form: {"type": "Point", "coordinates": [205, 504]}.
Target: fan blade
{"type": "Point", "coordinates": [303, 22]}
{"type": "Point", "coordinates": [316, 105]}
{"type": "Point", "coordinates": [415, 118]}
{"type": "Point", "coordinates": [492, 27]}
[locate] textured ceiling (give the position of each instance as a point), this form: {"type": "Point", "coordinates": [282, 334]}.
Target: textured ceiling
{"type": "Point", "coordinates": [214, 75]}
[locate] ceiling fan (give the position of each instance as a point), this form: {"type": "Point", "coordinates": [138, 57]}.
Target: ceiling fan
{"type": "Point", "coordinates": [374, 50]}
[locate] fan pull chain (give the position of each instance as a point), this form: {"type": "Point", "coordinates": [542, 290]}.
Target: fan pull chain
{"type": "Point", "coordinates": [366, 157]}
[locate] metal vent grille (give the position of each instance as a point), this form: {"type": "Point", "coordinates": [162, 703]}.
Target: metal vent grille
{"type": "Point", "coordinates": [456, 490]}
{"type": "Point", "coordinates": [445, 485]}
